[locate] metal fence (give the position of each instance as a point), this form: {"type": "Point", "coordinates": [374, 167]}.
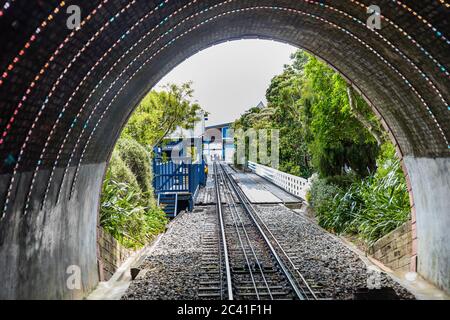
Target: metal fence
{"type": "Point", "coordinates": [177, 177]}
{"type": "Point", "coordinates": [295, 185]}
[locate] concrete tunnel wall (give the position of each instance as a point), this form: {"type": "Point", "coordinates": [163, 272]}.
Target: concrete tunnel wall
{"type": "Point", "coordinates": [40, 248]}
{"type": "Point", "coordinates": [65, 95]}
{"type": "Point", "coordinates": [430, 181]}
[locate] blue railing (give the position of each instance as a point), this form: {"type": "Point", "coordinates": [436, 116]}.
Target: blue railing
{"type": "Point", "coordinates": [177, 177]}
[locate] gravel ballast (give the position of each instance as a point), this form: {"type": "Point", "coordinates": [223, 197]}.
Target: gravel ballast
{"type": "Point", "coordinates": [330, 267]}
{"type": "Point", "coordinates": [173, 269]}
{"type": "Point", "coordinates": [170, 272]}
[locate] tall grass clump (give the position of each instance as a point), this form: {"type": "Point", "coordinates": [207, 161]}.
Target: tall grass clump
{"type": "Point", "coordinates": [369, 208]}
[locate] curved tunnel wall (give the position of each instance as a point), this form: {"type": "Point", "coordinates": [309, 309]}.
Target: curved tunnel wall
{"type": "Point", "coordinates": [65, 95]}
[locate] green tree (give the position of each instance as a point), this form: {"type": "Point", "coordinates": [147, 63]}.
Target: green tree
{"type": "Point", "coordinates": [284, 114]}
{"type": "Point", "coordinates": [326, 127]}
{"type": "Point", "coordinates": [370, 207]}
{"type": "Point", "coordinates": [161, 112]}
{"type": "Point", "coordinates": [284, 95]}
{"type": "Point", "coordinates": [323, 123]}
{"type": "Point", "coordinates": [337, 139]}
{"type": "Point", "coordinates": [119, 171]}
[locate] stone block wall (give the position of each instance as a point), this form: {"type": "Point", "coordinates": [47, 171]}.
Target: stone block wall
{"type": "Point", "coordinates": [110, 254]}
{"type": "Point", "coordinates": [394, 250]}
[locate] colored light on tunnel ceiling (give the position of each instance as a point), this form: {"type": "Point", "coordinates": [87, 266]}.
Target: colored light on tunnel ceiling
{"type": "Point", "coordinates": [73, 93]}
{"type": "Point", "coordinates": [37, 31]}
{"type": "Point", "coordinates": [172, 40]}
{"type": "Point", "coordinates": [42, 71]}
{"type": "Point", "coordinates": [161, 4]}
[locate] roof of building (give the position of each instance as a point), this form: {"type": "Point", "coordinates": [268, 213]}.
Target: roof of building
{"type": "Point", "coordinates": [261, 105]}
{"type": "Point", "coordinates": [222, 125]}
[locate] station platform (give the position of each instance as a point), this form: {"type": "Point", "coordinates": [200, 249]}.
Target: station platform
{"type": "Point", "coordinates": [257, 189]}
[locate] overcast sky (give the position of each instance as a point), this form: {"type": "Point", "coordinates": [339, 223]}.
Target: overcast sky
{"type": "Point", "coordinates": [231, 77]}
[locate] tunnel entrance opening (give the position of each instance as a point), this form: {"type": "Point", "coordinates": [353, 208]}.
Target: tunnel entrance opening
{"type": "Point", "coordinates": [63, 94]}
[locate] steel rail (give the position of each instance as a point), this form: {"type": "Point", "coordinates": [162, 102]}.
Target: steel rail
{"type": "Point", "coordinates": [236, 218]}
{"type": "Point", "coordinates": [247, 261]}
{"type": "Point", "coordinates": [224, 240]}
{"type": "Point", "coordinates": [284, 269]}
{"type": "Point", "coordinates": [220, 270]}
{"type": "Point", "coordinates": [310, 291]}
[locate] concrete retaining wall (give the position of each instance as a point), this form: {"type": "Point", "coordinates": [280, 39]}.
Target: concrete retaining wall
{"type": "Point", "coordinates": [110, 254]}
{"type": "Point", "coordinates": [394, 250]}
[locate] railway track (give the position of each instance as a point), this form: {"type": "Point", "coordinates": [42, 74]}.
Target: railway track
{"type": "Point", "coordinates": [242, 259]}
{"type": "Point", "coordinates": [211, 279]}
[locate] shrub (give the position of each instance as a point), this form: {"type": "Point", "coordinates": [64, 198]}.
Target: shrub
{"type": "Point", "coordinates": [126, 217]}
{"type": "Point", "coordinates": [386, 202]}
{"type": "Point", "coordinates": [128, 213]}
{"type": "Point", "coordinates": [322, 196]}
{"type": "Point", "coordinates": [119, 214]}
{"type": "Point", "coordinates": [138, 160]}
{"type": "Point", "coordinates": [119, 171]}
{"type": "Point", "coordinates": [345, 207]}
{"type": "Point", "coordinates": [371, 207]}
{"type": "Point", "coordinates": [343, 181]}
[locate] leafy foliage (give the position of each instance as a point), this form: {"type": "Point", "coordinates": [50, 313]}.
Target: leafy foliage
{"type": "Point", "coordinates": [284, 113]}
{"type": "Point", "coordinates": [326, 127]}
{"type": "Point", "coordinates": [337, 140]}
{"type": "Point", "coordinates": [138, 160]}
{"type": "Point", "coordinates": [119, 171]}
{"type": "Point", "coordinates": [160, 113]}
{"type": "Point", "coordinates": [127, 216]}
{"type": "Point", "coordinates": [320, 197]}
{"type": "Point", "coordinates": [128, 210]}
{"type": "Point", "coordinates": [371, 207]}
{"type": "Point", "coordinates": [320, 130]}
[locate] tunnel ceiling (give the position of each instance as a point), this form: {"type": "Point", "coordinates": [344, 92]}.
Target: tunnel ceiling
{"type": "Point", "coordinates": [66, 94]}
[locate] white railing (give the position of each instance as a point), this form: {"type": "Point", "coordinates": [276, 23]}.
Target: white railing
{"type": "Point", "coordinates": [292, 184]}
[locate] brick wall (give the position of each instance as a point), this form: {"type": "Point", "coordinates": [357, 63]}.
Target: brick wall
{"type": "Point", "coordinates": [110, 254]}
{"type": "Point", "coordinates": [394, 250]}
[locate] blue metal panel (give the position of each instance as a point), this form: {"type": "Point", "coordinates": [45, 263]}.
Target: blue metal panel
{"type": "Point", "coordinates": [169, 176]}
{"type": "Point", "coordinates": [224, 132]}
{"type": "Point", "coordinates": [180, 177]}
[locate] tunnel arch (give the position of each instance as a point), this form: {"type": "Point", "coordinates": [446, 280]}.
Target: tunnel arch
{"type": "Point", "coordinates": [66, 95]}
